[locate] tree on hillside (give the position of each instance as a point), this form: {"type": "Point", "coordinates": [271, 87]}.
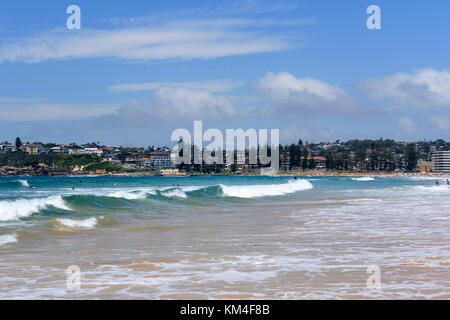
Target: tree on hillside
{"type": "Point", "coordinates": [410, 157]}
{"type": "Point", "coordinates": [18, 143]}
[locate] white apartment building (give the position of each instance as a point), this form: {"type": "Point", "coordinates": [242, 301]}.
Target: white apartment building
{"type": "Point", "coordinates": [441, 161]}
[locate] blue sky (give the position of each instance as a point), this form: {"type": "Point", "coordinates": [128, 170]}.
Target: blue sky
{"type": "Point", "coordinates": [137, 70]}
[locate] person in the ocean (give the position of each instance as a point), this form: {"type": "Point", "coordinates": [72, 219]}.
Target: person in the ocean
{"type": "Point", "coordinates": [295, 178]}
{"type": "Point", "coordinates": [437, 182]}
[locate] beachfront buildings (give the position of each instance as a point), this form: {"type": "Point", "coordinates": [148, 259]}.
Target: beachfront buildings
{"type": "Point", "coordinates": [94, 151]}
{"type": "Point", "coordinates": [6, 147]}
{"type": "Point", "coordinates": [425, 166]}
{"type": "Point", "coordinates": [441, 161]}
{"type": "Point", "coordinates": [161, 160]}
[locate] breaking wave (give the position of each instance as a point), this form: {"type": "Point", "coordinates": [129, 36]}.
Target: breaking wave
{"type": "Point", "coordinates": [15, 183]}
{"type": "Point", "coordinates": [11, 210]}
{"type": "Point", "coordinates": [16, 209]}
{"type": "Point", "coordinates": [129, 195]}
{"type": "Point", "coordinates": [256, 191]}
{"type": "Point", "coordinates": [84, 224]}
{"type": "Point", "coordinates": [363, 179]}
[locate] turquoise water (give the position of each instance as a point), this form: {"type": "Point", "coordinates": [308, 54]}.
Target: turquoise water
{"type": "Point", "coordinates": [213, 237]}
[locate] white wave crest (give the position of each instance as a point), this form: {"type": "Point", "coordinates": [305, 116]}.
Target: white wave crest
{"type": "Point", "coordinates": [363, 179]}
{"type": "Point", "coordinates": [255, 191]}
{"type": "Point", "coordinates": [24, 183]}
{"type": "Point", "coordinates": [14, 210]}
{"type": "Point", "coordinates": [129, 195]}
{"type": "Point", "coordinates": [8, 238]}
{"type": "Point", "coordinates": [85, 224]}
{"type": "Point", "coordinates": [174, 193]}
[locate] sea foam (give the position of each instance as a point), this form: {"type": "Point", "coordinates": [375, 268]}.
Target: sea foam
{"type": "Point", "coordinates": [8, 238]}
{"type": "Point", "coordinates": [85, 224]}
{"type": "Point", "coordinates": [24, 183]}
{"type": "Point", "coordinates": [255, 191]}
{"type": "Point", "coordinates": [14, 210]}
{"type": "Point", "coordinates": [363, 179]}
{"type": "Point", "coordinates": [127, 195]}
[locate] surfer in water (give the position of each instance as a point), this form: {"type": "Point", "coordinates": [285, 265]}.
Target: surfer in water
{"type": "Point", "coordinates": [437, 182]}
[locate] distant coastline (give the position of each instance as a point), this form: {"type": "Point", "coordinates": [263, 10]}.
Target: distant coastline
{"type": "Point", "coordinates": [59, 172]}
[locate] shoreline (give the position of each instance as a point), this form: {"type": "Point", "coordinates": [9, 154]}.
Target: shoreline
{"type": "Point", "coordinates": [297, 173]}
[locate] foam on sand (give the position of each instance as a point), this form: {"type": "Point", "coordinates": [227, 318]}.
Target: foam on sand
{"type": "Point", "coordinates": [363, 179]}
{"type": "Point", "coordinates": [255, 191]}
{"type": "Point", "coordinates": [84, 224]}
{"type": "Point", "coordinates": [22, 208]}
{"type": "Point", "coordinates": [7, 238]}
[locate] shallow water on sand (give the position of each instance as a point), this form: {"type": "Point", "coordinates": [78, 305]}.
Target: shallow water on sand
{"type": "Point", "coordinates": [224, 237]}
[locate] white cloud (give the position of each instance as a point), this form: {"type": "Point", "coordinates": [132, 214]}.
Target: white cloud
{"type": "Point", "coordinates": [305, 94]}
{"type": "Point", "coordinates": [18, 109]}
{"type": "Point", "coordinates": [442, 123]}
{"type": "Point", "coordinates": [220, 85]}
{"type": "Point", "coordinates": [190, 104]}
{"type": "Point", "coordinates": [177, 40]}
{"type": "Point", "coordinates": [422, 88]}
{"type": "Point", "coordinates": [407, 125]}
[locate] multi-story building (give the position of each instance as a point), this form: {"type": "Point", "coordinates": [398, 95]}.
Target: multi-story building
{"type": "Point", "coordinates": [441, 161]}
{"type": "Point", "coordinates": [160, 160]}
{"type": "Point", "coordinates": [96, 151]}
{"type": "Point", "coordinates": [6, 147]}
{"type": "Point", "coordinates": [34, 148]}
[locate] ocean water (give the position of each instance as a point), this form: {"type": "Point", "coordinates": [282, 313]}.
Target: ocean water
{"type": "Point", "coordinates": [224, 237]}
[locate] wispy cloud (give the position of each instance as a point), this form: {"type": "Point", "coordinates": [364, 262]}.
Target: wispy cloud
{"type": "Point", "coordinates": [236, 8]}
{"type": "Point", "coordinates": [19, 109]}
{"type": "Point", "coordinates": [190, 39]}
{"type": "Point", "coordinates": [179, 103]}
{"type": "Point", "coordinates": [219, 85]}
{"type": "Point", "coordinates": [422, 88]}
